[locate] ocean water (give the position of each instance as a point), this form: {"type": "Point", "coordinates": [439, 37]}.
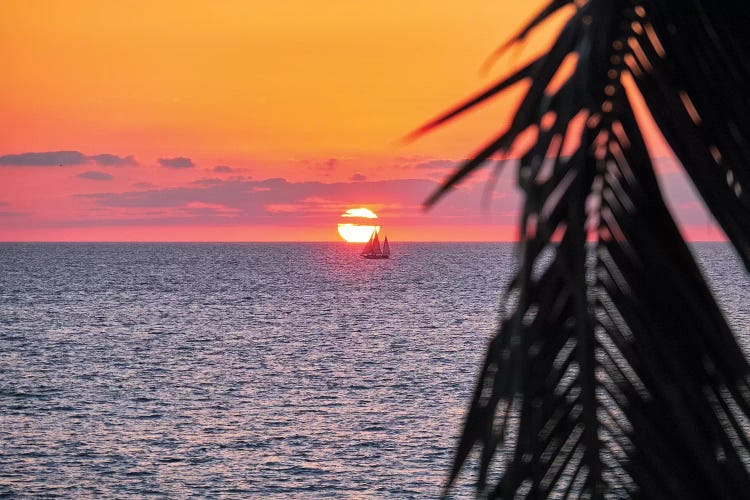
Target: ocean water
{"type": "Point", "coordinates": [250, 370]}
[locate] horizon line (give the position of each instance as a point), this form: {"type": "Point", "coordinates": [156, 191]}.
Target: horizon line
{"type": "Point", "coordinates": [298, 241]}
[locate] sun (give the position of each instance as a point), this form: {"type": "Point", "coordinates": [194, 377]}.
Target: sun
{"type": "Point", "coordinates": [358, 227]}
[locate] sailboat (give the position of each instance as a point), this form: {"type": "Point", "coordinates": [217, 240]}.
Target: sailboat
{"type": "Point", "coordinates": [373, 251]}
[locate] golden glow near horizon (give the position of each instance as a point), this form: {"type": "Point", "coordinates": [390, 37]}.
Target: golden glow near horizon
{"type": "Point", "coordinates": [353, 232]}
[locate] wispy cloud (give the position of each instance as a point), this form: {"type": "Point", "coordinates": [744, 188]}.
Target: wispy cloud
{"type": "Point", "coordinates": [208, 182]}
{"type": "Point", "coordinates": [110, 160]}
{"type": "Point", "coordinates": [327, 166]}
{"type": "Point", "coordinates": [95, 176]}
{"type": "Point", "coordinates": [9, 213]}
{"type": "Point", "coordinates": [176, 162]}
{"type": "Point", "coordinates": [253, 201]}
{"type": "Point", "coordinates": [278, 201]}
{"type": "Point", "coordinates": [252, 195]}
{"type": "Point", "coordinates": [435, 165]}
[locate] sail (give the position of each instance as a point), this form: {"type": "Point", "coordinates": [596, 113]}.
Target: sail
{"type": "Point", "coordinates": [368, 247]}
{"type": "Point", "coordinates": [376, 246]}
{"type": "Point", "coordinates": [386, 247]}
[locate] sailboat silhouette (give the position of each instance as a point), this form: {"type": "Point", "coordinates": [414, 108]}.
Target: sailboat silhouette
{"type": "Point", "coordinates": [372, 249]}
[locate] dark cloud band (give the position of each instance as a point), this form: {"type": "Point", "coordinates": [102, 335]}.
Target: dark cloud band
{"type": "Point", "coordinates": [65, 159]}
{"type": "Point", "coordinates": [177, 162]}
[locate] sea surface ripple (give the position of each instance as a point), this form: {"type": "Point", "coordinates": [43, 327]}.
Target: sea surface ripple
{"type": "Point", "coordinates": [250, 370]}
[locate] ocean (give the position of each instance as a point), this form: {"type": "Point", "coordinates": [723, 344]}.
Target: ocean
{"type": "Point", "coordinates": [251, 370]}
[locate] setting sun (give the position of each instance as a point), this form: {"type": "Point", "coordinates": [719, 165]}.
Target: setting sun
{"type": "Point", "coordinates": [360, 227]}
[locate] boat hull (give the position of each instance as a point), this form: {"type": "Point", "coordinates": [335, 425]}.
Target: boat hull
{"type": "Point", "coordinates": [375, 256]}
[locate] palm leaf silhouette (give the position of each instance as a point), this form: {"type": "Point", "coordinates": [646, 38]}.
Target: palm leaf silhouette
{"type": "Point", "coordinates": [614, 372]}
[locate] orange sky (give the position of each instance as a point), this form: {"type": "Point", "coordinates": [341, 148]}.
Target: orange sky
{"type": "Point", "coordinates": [316, 94]}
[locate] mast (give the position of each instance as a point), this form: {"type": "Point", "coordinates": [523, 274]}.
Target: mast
{"type": "Point", "coordinates": [386, 247]}
{"type": "Point", "coordinates": [376, 245]}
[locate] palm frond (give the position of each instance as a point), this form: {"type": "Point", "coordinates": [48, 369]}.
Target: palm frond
{"type": "Point", "coordinates": [614, 373]}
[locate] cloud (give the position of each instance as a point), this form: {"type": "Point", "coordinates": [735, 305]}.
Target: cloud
{"type": "Point", "coordinates": [45, 159]}
{"type": "Point", "coordinates": [358, 177]}
{"type": "Point", "coordinates": [143, 185]}
{"type": "Point", "coordinates": [208, 209]}
{"type": "Point", "coordinates": [328, 165]}
{"type": "Point", "coordinates": [177, 162]}
{"type": "Point", "coordinates": [208, 182]}
{"type": "Point", "coordinates": [9, 213]}
{"type": "Point", "coordinates": [65, 159]}
{"type": "Point", "coordinates": [435, 165]}
{"type": "Point", "coordinates": [252, 196]}
{"type": "Point", "coordinates": [95, 176]}
{"type": "Point", "coordinates": [223, 169]}
{"type": "Point", "coordinates": [109, 160]}
{"type": "Point", "coordinates": [276, 201]}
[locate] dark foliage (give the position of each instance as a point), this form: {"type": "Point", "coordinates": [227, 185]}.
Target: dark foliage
{"type": "Point", "coordinates": [614, 373]}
